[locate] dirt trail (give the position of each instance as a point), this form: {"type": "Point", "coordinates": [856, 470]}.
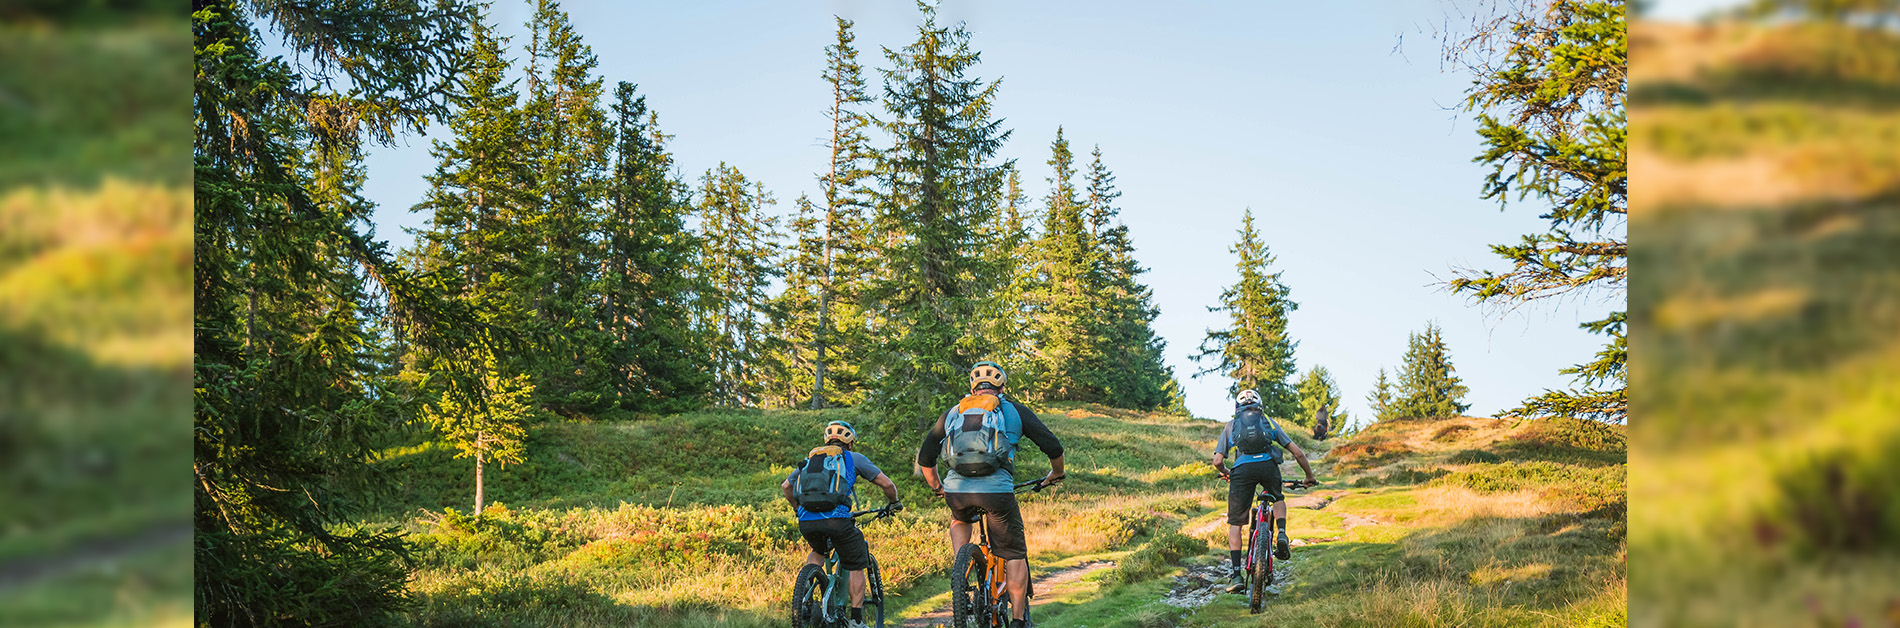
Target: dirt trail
{"type": "Point", "coordinates": [1047, 588]}
{"type": "Point", "coordinates": [26, 571]}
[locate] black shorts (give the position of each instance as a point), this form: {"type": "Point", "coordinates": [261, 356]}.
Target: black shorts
{"type": "Point", "coordinates": [1005, 520]}
{"type": "Point", "coordinates": [824, 534]}
{"type": "Point", "coordinates": [1240, 490]}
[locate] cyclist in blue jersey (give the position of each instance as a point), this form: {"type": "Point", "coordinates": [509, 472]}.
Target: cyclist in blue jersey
{"type": "Point", "coordinates": [834, 529]}
{"type": "Point", "coordinates": [1251, 470]}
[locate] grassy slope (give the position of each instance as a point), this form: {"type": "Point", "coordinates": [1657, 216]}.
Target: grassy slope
{"type": "Point", "coordinates": [1768, 324]}
{"type": "Point", "coordinates": [95, 344]}
{"type": "Point", "coordinates": [677, 521]}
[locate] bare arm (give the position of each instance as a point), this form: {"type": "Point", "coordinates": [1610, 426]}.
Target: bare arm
{"type": "Point", "coordinates": [786, 488]}
{"type": "Point", "coordinates": [1300, 457]}
{"type": "Point", "coordinates": [890, 488]}
{"type": "Point", "coordinates": [930, 479]}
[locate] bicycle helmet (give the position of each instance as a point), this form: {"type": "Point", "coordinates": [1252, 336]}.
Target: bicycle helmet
{"type": "Point", "coordinates": [842, 432]}
{"type": "Point", "coordinates": [1247, 397]}
{"type": "Point", "coordinates": [987, 373]}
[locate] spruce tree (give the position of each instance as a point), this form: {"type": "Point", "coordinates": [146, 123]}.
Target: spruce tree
{"type": "Point", "coordinates": [1133, 369]}
{"type": "Point", "coordinates": [938, 182]}
{"type": "Point", "coordinates": [568, 139]}
{"type": "Point", "coordinates": [490, 425]}
{"type": "Point", "coordinates": [657, 363]}
{"type": "Point", "coordinates": [1064, 319]}
{"type": "Point", "coordinates": [291, 386]}
{"type": "Point", "coordinates": [840, 338]}
{"type": "Point", "coordinates": [1382, 400]}
{"type": "Point", "coordinates": [1549, 85]}
{"type": "Point", "coordinates": [1254, 351]}
{"type": "Point", "coordinates": [738, 259]}
{"type": "Point", "coordinates": [1428, 385]}
{"type": "Point", "coordinates": [794, 362]}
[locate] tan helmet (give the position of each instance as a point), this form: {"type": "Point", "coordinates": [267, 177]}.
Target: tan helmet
{"type": "Point", "coordinates": [842, 432]}
{"type": "Point", "coordinates": [987, 372]}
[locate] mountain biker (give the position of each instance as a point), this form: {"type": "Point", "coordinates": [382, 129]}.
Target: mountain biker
{"type": "Point", "coordinates": [1250, 470]}
{"type": "Point", "coordinates": [990, 494]}
{"type": "Point", "coordinates": [834, 528]}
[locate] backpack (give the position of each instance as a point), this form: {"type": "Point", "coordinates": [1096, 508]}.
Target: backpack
{"type": "Point", "coordinates": [974, 440]}
{"type": "Point", "coordinates": [1253, 432]}
{"type": "Point", "coordinates": [824, 484]}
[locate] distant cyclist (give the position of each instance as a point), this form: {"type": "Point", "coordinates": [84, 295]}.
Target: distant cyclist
{"type": "Point", "coordinates": [978, 439]}
{"type": "Point", "coordinates": [1254, 435]}
{"type": "Point", "coordinates": [821, 490]}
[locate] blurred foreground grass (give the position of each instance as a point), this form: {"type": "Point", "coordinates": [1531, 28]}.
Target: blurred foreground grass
{"type": "Point", "coordinates": [1767, 325]}
{"type": "Point", "coordinates": [95, 315]}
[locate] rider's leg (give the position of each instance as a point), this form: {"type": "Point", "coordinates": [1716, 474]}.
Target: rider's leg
{"type": "Point", "coordinates": [857, 588]}
{"type": "Point", "coordinates": [959, 535]}
{"type": "Point", "coordinates": [814, 558]}
{"type": "Point", "coordinates": [1279, 512]}
{"type": "Point", "coordinates": [1016, 578]}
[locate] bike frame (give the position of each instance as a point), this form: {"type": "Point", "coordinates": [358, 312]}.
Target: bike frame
{"type": "Point", "coordinates": [996, 572]}
{"type": "Point", "coordinates": [838, 585]}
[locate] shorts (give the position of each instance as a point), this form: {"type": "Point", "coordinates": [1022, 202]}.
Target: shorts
{"type": "Point", "coordinates": [825, 534]}
{"type": "Point", "coordinates": [1240, 490]}
{"type": "Point", "coordinates": [1004, 519]}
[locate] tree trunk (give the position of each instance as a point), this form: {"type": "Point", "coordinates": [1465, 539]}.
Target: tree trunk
{"type": "Point", "coordinates": [478, 485]}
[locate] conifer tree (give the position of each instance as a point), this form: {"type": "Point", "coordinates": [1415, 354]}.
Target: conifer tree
{"type": "Point", "coordinates": [1318, 390]}
{"type": "Point", "coordinates": [1549, 84]}
{"type": "Point", "coordinates": [568, 139]}
{"type": "Point", "coordinates": [647, 288]}
{"type": "Point", "coordinates": [938, 182]}
{"type": "Point", "coordinates": [1382, 400]}
{"type": "Point", "coordinates": [291, 391]}
{"type": "Point", "coordinates": [1254, 350]}
{"type": "Point", "coordinates": [840, 337]}
{"type": "Point", "coordinates": [1012, 237]}
{"type": "Point", "coordinates": [1428, 385]}
{"type": "Point", "coordinates": [489, 425]}
{"type": "Point", "coordinates": [738, 260]}
{"type": "Point", "coordinates": [794, 364]}
{"type": "Point", "coordinates": [1064, 322]}
{"type": "Point", "coordinates": [1133, 370]}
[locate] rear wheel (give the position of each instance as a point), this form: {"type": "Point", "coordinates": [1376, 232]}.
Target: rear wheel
{"type": "Point", "coordinates": [969, 588]}
{"type": "Point", "coordinates": [873, 595]}
{"type": "Point", "coordinates": [808, 593]}
{"type": "Point", "coordinates": [1262, 569]}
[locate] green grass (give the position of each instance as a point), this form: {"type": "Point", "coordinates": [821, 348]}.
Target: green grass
{"type": "Point", "coordinates": [81, 104]}
{"type": "Point", "coordinates": [1770, 340]}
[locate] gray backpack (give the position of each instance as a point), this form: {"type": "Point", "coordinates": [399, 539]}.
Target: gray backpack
{"type": "Point", "coordinates": [974, 441]}
{"type": "Point", "coordinates": [824, 484]}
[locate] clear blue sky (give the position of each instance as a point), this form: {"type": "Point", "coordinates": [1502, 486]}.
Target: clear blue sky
{"type": "Point", "coordinates": [1329, 119]}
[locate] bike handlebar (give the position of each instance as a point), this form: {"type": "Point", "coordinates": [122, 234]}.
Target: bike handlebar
{"type": "Point", "coordinates": [887, 511]}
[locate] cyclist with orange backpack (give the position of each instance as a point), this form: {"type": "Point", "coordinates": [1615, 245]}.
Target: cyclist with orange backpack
{"type": "Point", "coordinates": [978, 439]}
{"type": "Point", "coordinates": [821, 490]}
{"type": "Point", "coordinates": [1254, 435]}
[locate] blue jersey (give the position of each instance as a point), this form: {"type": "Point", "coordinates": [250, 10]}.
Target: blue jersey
{"type": "Point", "coordinates": [862, 468]}
{"type": "Point", "coordinates": [1272, 454]}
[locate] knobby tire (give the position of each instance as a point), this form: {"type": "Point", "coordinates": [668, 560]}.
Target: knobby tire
{"type": "Point", "coordinates": [874, 595]}
{"type": "Point", "coordinates": [1262, 570]}
{"type": "Point", "coordinates": [808, 594]}
{"type": "Point", "coordinates": [969, 588]}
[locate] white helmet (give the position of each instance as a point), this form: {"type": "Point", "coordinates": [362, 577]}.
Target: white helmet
{"type": "Point", "coordinates": [1247, 397]}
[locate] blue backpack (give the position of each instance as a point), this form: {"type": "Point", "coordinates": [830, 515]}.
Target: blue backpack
{"type": "Point", "coordinates": [975, 442]}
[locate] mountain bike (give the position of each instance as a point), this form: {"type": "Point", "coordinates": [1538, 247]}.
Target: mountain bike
{"type": "Point", "coordinates": [979, 592]}
{"type": "Point", "coordinates": [1260, 536]}
{"type": "Point", "coordinates": [821, 596]}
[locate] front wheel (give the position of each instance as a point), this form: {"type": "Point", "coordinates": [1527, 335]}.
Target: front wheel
{"type": "Point", "coordinates": [808, 598]}
{"type": "Point", "coordinates": [874, 595]}
{"type": "Point", "coordinates": [969, 587]}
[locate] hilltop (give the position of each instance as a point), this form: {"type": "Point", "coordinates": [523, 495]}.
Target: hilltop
{"type": "Point", "coordinates": [677, 521]}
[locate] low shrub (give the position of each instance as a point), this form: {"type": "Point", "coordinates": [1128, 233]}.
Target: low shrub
{"type": "Point", "coordinates": [1475, 456]}
{"type": "Point", "coordinates": [1153, 558]}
